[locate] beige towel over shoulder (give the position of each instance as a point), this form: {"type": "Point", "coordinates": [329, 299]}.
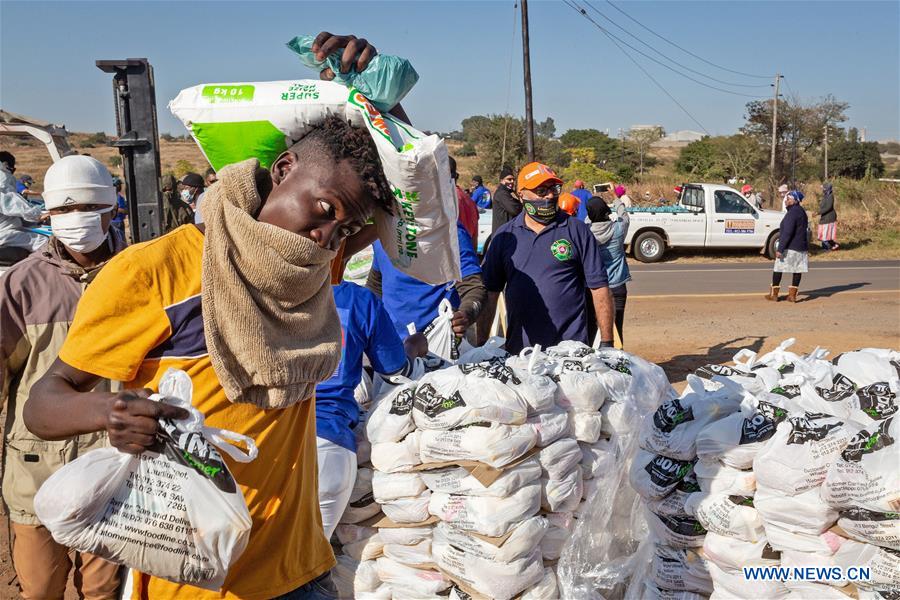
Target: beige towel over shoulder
{"type": "Point", "coordinates": [268, 312]}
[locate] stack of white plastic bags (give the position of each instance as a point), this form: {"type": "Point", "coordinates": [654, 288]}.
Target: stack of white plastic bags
{"type": "Point", "coordinates": [795, 464]}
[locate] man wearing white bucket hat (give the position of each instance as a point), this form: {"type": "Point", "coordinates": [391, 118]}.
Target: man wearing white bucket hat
{"type": "Point", "coordinates": [38, 297]}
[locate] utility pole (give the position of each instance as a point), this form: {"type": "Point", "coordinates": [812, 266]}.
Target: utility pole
{"type": "Point", "coordinates": [774, 126]}
{"type": "Point", "coordinates": [826, 151]}
{"type": "Point", "coordinates": [526, 59]}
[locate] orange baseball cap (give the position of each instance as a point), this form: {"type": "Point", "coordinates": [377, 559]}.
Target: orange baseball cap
{"type": "Point", "coordinates": [534, 175]}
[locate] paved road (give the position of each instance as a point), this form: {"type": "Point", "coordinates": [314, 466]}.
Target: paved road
{"type": "Point", "coordinates": [824, 278]}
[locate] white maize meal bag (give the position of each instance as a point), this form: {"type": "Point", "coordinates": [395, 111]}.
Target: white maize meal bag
{"type": "Point", "coordinates": [793, 558]}
{"type": "Point", "coordinates": [366, 577]}
{"type": "Point", "coordinates": [797, 457]}
{"type": "Point", "coordinates": [726, 515]}
{"type": "Point", "coordinates": [866, 473]}
{"type": "Point", "coordinates": [733, 582]}
{"type": "Point", "coordinates": [676, 531]}
{"type": "Point", "coordinates": [448, 398]}
{"type": "Point", "coordinates": [392, 486]}
{"type": "Point", "coordinates": [672, 430]}
{"type": "Point", "coordinates": [616, 417]}
{"type": "Point", "coordinates": [174, 512]}
{"type": "Point", "coordinates": [716, 478]}
{"type": "Point", "coordinates": [597, 459]}
{"type": "Point", "coordinates": [587, 426]}
{"type": "Point", "coordinates": [654, 476]}
{"type": "Point", "coordinates": [232, 122]}
{"type": "Point", "coordinates": [383, 592]}
{"type": "Point", "coordinates": [550, 426]}
{"type": "Point", "coordinates": [491, 349]}
{"type": "Point", "coordinates": [781, 538]}
{"type": "Point", "coordinates": [413, 555]}
{"type": "Point", "coordinates": [579, 389]}
{"type": "Point", "coordinates": [559, 458]}
{"type": "Point", "coordinates": [731, 553]}
{"type": "Point", "coordinates": [674, 503]}
{"type": "Point", "coordinates": [563, 494]}
{"type": "Point", "coordinates": [390, 420]}
{"type": "Point", "coordinates": [736, 439]}
{"type": "Point", "coordinates": [407, 510]}
{"type": "Point", "coordinates": [521, 542]}
{"type": "Point", "coordinates": [424, 582]}
{"type": "Point", "coordinates": [875, 402]}
{"type": "Point", "coordinates": [364, 549]}
{"type": "Point", "coordinates": [362, 503]}
{"type": "Point", "coordinates": [390, 457]}
{"type": "Point", "coordinates": [881, 529]}
{"type": "Point", "coordinates": [405, 536]}
{"type": "Point", "coordinates": [884, 565]}
{"type": "Point", "coordinates": [803, 513]}
{"type": "Point", "coordinates": [500, 581]}
{"type": "Point", "coordinates": [491, 443]}
{"type": "Point", "coordinates": [680, 569]}
{"type": "Point", "coordinates": [484, 514]}
{"type": "Point", "coordinates": [545, 589]}
{"type": "Point", "coordinates": [457, 480]}
{"type": "Point", "coordinates": [649, 591]}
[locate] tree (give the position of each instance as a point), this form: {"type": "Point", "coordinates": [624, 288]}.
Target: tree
{"type": "Point", "coordinates": [605, 147]}
{"type": "Point", "coordinates": [545, 129]}
{"type": "Point", "coordinates": [801, 127]}
{"type": "Point", "coordinates": [182, 168]}
{"type": "Point", "coordinates": [468, 149]}
{"type": "Point", "coordinates": [473, 127]}
{"type": "Point", "coordinates": [739, 155]}
{"type": "Point", "coordinates": [587, 172]}
{"type": "Point", "coordinates": [643, 137]}
{"type": "Point", "coordinates": [698, 160]}
{"type": "Point", "coordinates": [115, 160]}
{"type": "Point", "coordinates": [854, 159]}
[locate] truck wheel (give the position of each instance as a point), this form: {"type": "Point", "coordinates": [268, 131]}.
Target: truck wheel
{"type": "Point", "coordinates": [772, 245]}
{"type": "Point", "coordinates": [649, 247]}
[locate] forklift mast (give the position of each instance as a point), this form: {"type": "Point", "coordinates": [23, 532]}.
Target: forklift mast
{"type": "Point", "coordinates": [134, 96]}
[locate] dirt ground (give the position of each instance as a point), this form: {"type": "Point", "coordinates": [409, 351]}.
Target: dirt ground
{"type": "Point", "coordinates": [683, 334]}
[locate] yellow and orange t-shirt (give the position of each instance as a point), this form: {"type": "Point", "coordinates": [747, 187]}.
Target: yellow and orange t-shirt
{"type": "Point", "coordinates": [143, 315]}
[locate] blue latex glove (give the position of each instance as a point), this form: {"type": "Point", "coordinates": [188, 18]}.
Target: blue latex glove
{"type": "Point", "coordinates": [385, 82]}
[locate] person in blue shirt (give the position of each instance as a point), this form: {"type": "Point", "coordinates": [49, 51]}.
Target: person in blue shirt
{"type": "Point", "coordinates": [118, 220]}
{"type": "Point", "coordinates": [366, 330]}
{"type": "Point", "coordinates": [610, 236]}
{"type": "Point", "coordinates": [409, 300]}
{"type": "Point", "coordinates": [544, 261]}
{"type": "Point", "coordinates": [480, 194]}
{"type": "Point", "coordinates": [582, 194]}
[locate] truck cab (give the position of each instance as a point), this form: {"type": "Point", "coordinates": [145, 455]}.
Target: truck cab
{"type": "Point", "coordinates": [707, 215]}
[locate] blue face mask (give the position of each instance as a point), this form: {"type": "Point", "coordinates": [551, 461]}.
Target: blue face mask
{"type": "Point", "coordinates": [186, 195]}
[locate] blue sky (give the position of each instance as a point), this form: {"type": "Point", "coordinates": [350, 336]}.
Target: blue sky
{"type": "Point", "coordinates": [462, 52]}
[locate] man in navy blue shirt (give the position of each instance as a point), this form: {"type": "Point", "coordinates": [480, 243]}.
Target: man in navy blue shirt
{"type": "Point", "coordinates": [366, 329]}
{"type": "Point", "coordinates": [409, 300]}
{"type": "Point", "coordinates": [545, 260]}
{"type": "Point", "coordinates": [480, 194]}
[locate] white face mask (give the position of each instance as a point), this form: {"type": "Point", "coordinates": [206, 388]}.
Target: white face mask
{"type": "Point", "coordinates": [80, 231]}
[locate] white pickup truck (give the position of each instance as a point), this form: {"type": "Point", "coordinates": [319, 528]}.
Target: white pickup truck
{"type": "Point", "coordinates": [708, 215]}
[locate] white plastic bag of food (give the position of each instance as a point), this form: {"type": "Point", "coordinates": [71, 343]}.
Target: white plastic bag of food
{"type": "Point", "coordinates": [413, 555]}
{"type": "Point", "coordinates": [365, 549]}
{"type": "Point", "coordinates": [561, 526]}
{"type": "Point", "coordinates": [736, 439]}
{"type": "Point", "coordinates": [559, 458]}
{"type": "Point", "coordinates": [545, 589]}
{"type": "Point", "coordinates": [425, 583]}
{"type": "Point", "coordinates": [734, 583]}
{"type": "Point", "coordinates": [726, 514]}
{"type": "Point", "coordinates": [497, 580]}
{"type": "Point", "coordinates": [439, 333]}
{"type": "Point", "coordinates": [407, 510]}
{"type": "Point", "coordinates": [680, 569]}
{"type": "Point", "coordinates": [587, 426]}
{"type": "Point", "coordinates": [563, 494]}
{"type": "Point", "coordinates": [391, 457]}
{"type": "Point", "coordinates": [674, 503]}
{"type": "Point", "coordinates": [798, 456]}
{"type": "Point", "coordinates": [390, 420]}
{"type": "Point", "coordinates": [174, 512]}
{"type": "Point", "coordinates": [866, 473]}
{"type": "Point", "coordinates": [391, 486]}
{"type": "Point", "coordinates": [654, 476]}
{"type": "Point", "coordinates": [731, 553]}
{"type": "Point", "coordinates": [881, 529]}
{"type": "Point", "coordinates": [678, 532]}
{"type": "Point", "coordinates": [804, 513]}
{"type": "Point", "coordinates": [674, 427]}
{"type": "Point", "coordinates": [232, 122]}
{"type": "Point", "coordinates": [716, 478]}
{"type": "Point", "coordinates": [537, 390]}
{"type": "Point", "coordinates": [361, 505]}
{"type": "Point", "coordinates": [450, 398]}
{"type": "Point", "coordinates": [493, 444]}
{"type": "Point", "coordinates": [405, 536]}
{"type": "Point", "coordinates": [869, 365]}
{"type": "Point", "coordinates": [598, 458]}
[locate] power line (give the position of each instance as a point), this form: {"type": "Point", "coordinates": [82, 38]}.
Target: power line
{"type": "Point", "coordinates": [685, 67]}
{"type": "Point", "coordinates": [649, 76]}
{"type": "Point", "coordinates": [647, 56]}
{"type": "Point", "coordinates": [512, 47]}
{"type": "Point", "coordinates": [686, 51]}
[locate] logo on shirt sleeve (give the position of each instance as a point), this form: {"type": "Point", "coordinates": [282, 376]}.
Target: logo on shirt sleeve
{"type": "Point", "coordinates": [562, 250]}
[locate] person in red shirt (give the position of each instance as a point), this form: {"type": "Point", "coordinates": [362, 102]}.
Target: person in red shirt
{"type": "Point", "coordinates": [468, 212]}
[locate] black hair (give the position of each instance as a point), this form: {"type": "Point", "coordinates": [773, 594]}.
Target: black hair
{"type": "Point", "coordinates": [597, 209]}
{"type": "Point", "coordinates": [340, 142]}
{"type": "Point", "coordinates": [453, 173]}
{"type": "Point", "coordinates": [209, 171]}
{"type": "Point", "coordinates": [8, 158]}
